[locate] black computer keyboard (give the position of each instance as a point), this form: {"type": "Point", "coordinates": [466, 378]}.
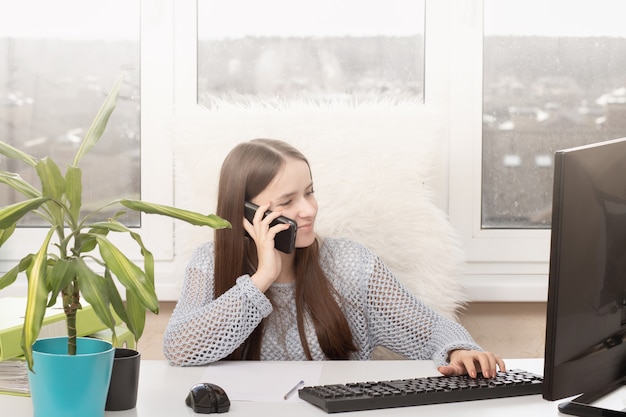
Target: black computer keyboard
{"type": "Point", "coordinates": [420, 391]}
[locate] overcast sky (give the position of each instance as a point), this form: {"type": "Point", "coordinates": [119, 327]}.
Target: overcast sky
{"type": "Point", "coordinates": [555, 17]}
{"type": "Point", "coordinates": [238, 18]}
{"type": "Point", "coordinates": [102, 19]}
{"type": "Point", "coordinates": [95, 18]}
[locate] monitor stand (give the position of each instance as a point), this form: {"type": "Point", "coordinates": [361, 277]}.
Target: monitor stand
{"type": "Point", "coordinates": [582, 405]}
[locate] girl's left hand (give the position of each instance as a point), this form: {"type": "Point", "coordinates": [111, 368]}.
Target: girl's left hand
{"type": "Point", "coordinates": [471, 362]}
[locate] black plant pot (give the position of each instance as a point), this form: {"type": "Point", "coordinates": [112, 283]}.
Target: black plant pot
{"type": "Point", "coordinates": [124, 380]}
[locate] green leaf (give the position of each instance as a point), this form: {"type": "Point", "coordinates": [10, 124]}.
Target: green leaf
{"type": "Point", "coordinates": [14, 153]}
{"type": "Point", "coordinates": [16, 182]}
{"type": "Point", "coordinates": [9, 215]}
{"type": "Point", "coordinates": [148, 261]}
{"type": "Point", "coordinates": [95, 290]}
{"type": "Point", "coordinates": [37, 295]}
{"type": "Point", "coordinates": [60, 276]}
{"type": "Point", "coordinates": [110, 225]}
{"type": "Point", "coordinates": [87, 242]}
{"type": "Point", "coordinates": [99, 123]}
{"type": "Point", "coordinates": [116, 299]}
{"type": "Point", "coordinates": [53, 185]}
{"type": "Point", "coordinates": [5, 234]}
{"type": "Point", "coordinates": [191, 217]}
{"type": "Point", "coordinates": [129, 274]}
{"type": "Point", "coordinates": [52, 181]}
{"type": "Point", "coordinates": [10, 277]}
{"type": "Point", "coordinates": [136, 314]}
{"type": "Point", "coordinates": [148, 258]}
{"type": "Point", "coordinates": [74, 189]}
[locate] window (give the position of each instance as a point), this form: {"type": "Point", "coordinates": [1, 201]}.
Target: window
{"type": "Point", "coordinates": [322, 51]}
{"type": "Point", "coordinates": [553, 84]}
{"type": "Point", "coordinates": [496, 171]}
{"type": "Point", "coordinates": [59, 60]}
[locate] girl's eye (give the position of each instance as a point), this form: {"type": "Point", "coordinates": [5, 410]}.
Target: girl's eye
{"type": "Point", "coordinates": [285, 203]}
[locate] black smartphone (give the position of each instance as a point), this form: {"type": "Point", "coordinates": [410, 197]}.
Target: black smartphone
{"type": "Point", "coordinates": [284, 241]}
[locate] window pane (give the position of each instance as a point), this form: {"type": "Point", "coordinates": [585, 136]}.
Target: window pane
{"type": "Point", "coordinates": [319, 51]}
{"type": "Point", "coordinates": [554, 77]}
{"type": "Point", "coordinates": [56, 68]}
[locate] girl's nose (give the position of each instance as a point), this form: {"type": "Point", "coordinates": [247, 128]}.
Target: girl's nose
{"type": "Point", "coordinates": [307, 207]}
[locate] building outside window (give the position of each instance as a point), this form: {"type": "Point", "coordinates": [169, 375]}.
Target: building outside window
{"type": "Point", "coordinates": [554, 78]}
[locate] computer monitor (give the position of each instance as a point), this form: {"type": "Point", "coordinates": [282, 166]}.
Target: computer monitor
{"type": "Point", "coordinates": [585, 351]}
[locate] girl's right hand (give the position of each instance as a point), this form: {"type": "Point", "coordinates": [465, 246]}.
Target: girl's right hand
{"type": "Point", "coordinates": [269, 266]}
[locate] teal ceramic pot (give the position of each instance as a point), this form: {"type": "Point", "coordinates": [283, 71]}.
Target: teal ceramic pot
{"type": "Point", "coordinates": [65, 385]}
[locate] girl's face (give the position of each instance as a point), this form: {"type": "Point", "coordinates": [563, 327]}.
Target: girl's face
{"type": "Point", "coordinates": [291, 191]}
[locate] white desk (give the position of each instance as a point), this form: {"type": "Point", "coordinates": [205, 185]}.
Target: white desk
{"type": "Point", "coordinates": [162, 392]}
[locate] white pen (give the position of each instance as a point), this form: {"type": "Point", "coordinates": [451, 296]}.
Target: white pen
{"type": "Point", "coordinates": [293, 390]}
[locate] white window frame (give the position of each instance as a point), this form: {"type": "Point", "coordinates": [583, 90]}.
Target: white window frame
{"type": "Point", "coordinates": [501, 265]}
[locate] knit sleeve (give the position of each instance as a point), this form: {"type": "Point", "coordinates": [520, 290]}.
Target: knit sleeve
{"type": "Point", "coordinates": [402, 323]}
{"type": "Point", "coordinates": [202, 329]}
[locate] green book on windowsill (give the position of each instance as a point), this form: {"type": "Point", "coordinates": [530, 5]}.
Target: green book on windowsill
{"type": "Point", "coordinates": [12, 317]}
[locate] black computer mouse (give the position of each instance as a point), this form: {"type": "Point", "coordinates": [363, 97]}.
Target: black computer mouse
{"type": "Point", "coordinates": [207, 398]}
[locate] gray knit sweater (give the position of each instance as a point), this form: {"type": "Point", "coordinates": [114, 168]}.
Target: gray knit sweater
{"type": "Point", "coordinates": [379, 310]}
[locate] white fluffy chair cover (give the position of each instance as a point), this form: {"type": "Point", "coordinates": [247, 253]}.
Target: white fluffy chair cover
{"type": "Point", "coordinates": [370, 171]}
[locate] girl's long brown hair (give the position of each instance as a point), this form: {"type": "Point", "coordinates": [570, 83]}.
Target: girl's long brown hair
{"type": "Point", "coordinates": [246, 171]}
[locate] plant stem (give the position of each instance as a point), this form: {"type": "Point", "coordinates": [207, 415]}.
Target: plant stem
{"type": "Point", "coordinates": [71, 303]}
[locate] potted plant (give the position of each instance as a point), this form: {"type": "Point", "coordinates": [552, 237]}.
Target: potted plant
{"type": "Point", "coordinates": [76, 258]}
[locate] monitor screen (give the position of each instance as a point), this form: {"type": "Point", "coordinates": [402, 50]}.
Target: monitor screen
{"type": "Point", "coordinates": [586, 313]}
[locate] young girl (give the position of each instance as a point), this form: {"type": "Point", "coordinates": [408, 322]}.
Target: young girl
{"type": "Point", "coordinates": [328, 299]}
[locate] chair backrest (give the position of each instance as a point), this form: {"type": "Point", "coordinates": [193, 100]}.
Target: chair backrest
{"type": "Point", "coordinates": [372, 175]}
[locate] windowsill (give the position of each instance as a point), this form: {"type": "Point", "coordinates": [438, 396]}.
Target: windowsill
{"type": "Point", "coordinates": [512, 288]}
